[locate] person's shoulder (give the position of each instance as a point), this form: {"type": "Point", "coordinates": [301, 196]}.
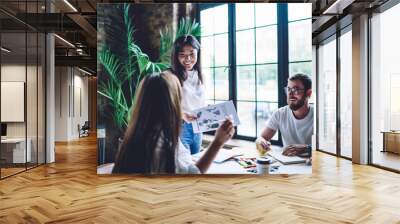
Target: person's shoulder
{"type": "Point", "coordinates": [280, 113]}
{"type": "Point", "coordinates": [311, 109]}
{"type": "Point", "coordinates": [283, 110]}
{"type": "Point", "coordinates": [169, 71]}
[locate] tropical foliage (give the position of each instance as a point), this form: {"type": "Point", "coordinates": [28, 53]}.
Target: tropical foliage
{"type": "Point", "coordinates": [167, 37]}
{"type": "Point", "coordinates": [124, 73]}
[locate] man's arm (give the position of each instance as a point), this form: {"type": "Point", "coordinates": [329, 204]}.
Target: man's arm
{"type": "Point", "coordinates": [263, 142]}
{"type": "Point", "coordinates": [297, 150]}
{"type": "Point", "coordinates": [268, 133]}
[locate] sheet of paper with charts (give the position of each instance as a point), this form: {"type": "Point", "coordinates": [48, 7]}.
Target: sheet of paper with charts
{"type": "Point", "coordinates": [209, 118]}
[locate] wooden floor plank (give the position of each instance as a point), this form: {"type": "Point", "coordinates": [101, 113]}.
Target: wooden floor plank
{"type": "Point", "coordinates": [70, 191]}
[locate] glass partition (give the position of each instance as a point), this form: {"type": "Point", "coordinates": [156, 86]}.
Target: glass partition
{"type": "Point", "coordinates": [22, 88]}
{"type": "Point", "coordinates": [14, 153]}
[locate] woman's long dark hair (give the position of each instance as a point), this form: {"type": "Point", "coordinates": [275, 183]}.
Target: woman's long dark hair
{"type": "Point", "coordinates": [176, 66]}
{"type": "Point", "coordinates": [157, 111]}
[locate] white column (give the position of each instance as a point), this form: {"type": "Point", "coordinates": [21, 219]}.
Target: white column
{"type": "Point", "coordinates": [50, 93]}
{"type": "Point", "coordinates": [314, 93]}
{"type": "Point", "coordinates": [360, 90]}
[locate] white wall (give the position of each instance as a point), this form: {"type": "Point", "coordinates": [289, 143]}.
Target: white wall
{"type": "Point", "coordinates": [61, 103]}
{"type": "Point", "coordinates": [71, 94]}
{"type": "Point", "coordinates": [17, 73]}
{"type": "Point", "coordinates": [80, 101]}
{"type": "Point", "coordinates": [12, 73]}
{"type": "Point", "coordinates": [33, 126]}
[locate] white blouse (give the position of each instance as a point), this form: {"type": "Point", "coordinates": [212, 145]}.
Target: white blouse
{"type": "Point", "coordinates": [193, 93]}
{"type": "Point", "coordinates": [184, 163]}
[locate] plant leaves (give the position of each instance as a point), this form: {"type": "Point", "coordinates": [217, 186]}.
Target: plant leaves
{"type": "Point", "coordinates": [124, 75]}
{"type": "Point", "coordinates": [185, 27]}
{"type": "Point", "coordinates": [111, 63]}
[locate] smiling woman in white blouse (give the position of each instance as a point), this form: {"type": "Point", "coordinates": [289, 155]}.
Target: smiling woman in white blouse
{"type": "Point", "coordinates": [185, 64]}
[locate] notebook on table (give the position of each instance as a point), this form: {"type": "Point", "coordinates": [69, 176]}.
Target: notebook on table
{"type": "Point", "coordinates": [222, 156]}
{"type": "Point", "coordinates": [286, 159]}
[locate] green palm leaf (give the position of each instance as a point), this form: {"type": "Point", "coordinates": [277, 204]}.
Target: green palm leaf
{"type": "Point", "coordinates": [111, 63]}
{"type": "Point", "coordinates": [129, 64]}
{"type": "Point", "coordinates": [186, 26]}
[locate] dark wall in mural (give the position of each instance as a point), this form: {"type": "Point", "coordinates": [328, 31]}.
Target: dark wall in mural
{"type": "Point", "coordinates": [148, 22]}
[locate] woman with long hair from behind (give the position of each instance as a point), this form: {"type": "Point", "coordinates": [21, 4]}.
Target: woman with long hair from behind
{"type": "Point", "coordinates": [151, 142]}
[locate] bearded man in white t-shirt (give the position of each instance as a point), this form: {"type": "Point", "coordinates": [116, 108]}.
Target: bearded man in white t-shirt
{"type": "Point", "coordinates": [295, 121]}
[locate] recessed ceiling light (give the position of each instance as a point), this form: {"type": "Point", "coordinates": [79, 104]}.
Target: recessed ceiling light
{"type": "Point", "coordinates": [337, 7]}
{"type": "Point", "coordinates": [64, 40]}
{"type": "Point", "coordinates": [5, 50]}
{"type": "Point", "coordinates": [70, 5]}
{"type": "Point", "coordinates": [84, 71]}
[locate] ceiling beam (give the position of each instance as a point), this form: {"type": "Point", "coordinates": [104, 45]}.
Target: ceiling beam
{"type": "Point", "coordinates": [320, 22]}
{"type": "Point", "coordinates": [86, 26]}
{"type": "Point", "coordinates": [82, 61]}
{"type": "Point", "coordinates": [337, 7]}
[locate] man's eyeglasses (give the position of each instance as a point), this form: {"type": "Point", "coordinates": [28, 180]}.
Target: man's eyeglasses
{"type": "Point", "coordinates": [295, 91]}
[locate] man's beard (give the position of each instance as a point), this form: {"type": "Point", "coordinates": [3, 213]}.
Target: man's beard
{"type": "Point", "coordinates": [295, 106]}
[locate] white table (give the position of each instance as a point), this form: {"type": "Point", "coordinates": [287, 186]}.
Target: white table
{"type": "Point", "coordinates": [19, 155]}
{"type": "Point", "coordinates": [233, 167]}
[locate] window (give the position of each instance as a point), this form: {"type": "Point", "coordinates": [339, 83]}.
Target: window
{"type": "Point", "coordinates": [256, 66]}
{"type": "Point", "coordinates": [335, 94]}
{"type": "Point", "coordinates": [346, 94]}
{"type": "Point", "coordinates": [247, 73]}
{"type": "Point", "coordinates": [327, 96]}
{"type": "Point", "coordinates": [215, 60]}
{"type": "Point", "coordinates": [385, 88]}
{"type": "Point", "coordinates": [300, 56]}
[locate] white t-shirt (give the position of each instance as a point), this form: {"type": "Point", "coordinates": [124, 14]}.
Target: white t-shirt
{"type": "Point", "coordinates": [293, 130]}
{"type": "Point", "coordinates": [184, 163]}
{"type": "Point", "coordinates": [193, 95]}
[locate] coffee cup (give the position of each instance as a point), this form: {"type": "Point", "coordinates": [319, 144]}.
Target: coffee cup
{"type": "Point", "coordinates": [263, 165]}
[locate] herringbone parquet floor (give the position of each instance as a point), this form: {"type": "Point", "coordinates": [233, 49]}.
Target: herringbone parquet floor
{"type": "Point", "coordinates": [70, 191]}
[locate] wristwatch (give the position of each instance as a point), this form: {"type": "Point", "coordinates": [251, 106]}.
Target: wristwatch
{"type": "Point", "coordinates": [309, 149]}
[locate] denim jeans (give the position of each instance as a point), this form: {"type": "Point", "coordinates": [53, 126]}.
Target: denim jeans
{"type": "Point", "coordinates": [192, 141]}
